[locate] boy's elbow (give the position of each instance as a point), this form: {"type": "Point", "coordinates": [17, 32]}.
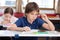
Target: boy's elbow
{"type": "Point", "coordinates": [52, 29]}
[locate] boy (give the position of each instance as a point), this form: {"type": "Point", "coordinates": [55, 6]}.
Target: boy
{"type": "Point", "coordinates": [31, 21]}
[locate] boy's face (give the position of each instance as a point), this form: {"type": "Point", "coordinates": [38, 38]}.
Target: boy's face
{"type": "Point", "coordinates": [7, 16]}
{"type": "Point", "coordinates": [32, 15]}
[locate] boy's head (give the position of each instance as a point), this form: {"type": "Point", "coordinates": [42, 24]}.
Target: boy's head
{"type": "Point", "coordinates": [31, 7]}
{"type": "Point", "coordinates": [8, 12]}
{"type": "Point", "coordinates": [32, 10]}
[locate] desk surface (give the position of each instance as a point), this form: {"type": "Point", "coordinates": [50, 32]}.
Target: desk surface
{"type": "Point", "coordinates": [54, 18]}
{"type": "Point", "coordinates": [4, 33]}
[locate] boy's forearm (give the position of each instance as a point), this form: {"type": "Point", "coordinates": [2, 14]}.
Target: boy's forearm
{"type": "Point", "coordinates": [19, 29]}
{"type": "Point", "coordinates": [51, 26]}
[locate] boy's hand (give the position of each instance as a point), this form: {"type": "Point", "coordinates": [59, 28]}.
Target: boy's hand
{"type": "Point", "coordinates": [44, 17]}
{"type": "Point", "coordinates": [26, 28]}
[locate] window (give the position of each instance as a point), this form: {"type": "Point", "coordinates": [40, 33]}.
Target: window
{"type": "Point", "coordinates": [7, 3]}
{"type": "Point", "coordinates": [43, 4]}
{"type": "Point", "coordinates": [24, 2]}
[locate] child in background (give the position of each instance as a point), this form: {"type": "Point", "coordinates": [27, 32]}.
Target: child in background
{"type": "Point", "coordinates": [7, 19]}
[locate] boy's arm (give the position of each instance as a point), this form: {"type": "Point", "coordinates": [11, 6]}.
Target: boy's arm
{"type": "Point", "coordinates": [48, 25]}
{"type": "Point", "coordinates": [15, 28]}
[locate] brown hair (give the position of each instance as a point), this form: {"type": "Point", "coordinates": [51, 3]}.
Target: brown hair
{"type": "Point", "coordinates": [31, 7]}
{"type": "Point", "coordinates": [8, 10]}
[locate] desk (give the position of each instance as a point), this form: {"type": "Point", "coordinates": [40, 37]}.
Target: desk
{"type": "Point", "coordinates": [55, 20]}
{"type": "Point", "coordinates": [7, 33]}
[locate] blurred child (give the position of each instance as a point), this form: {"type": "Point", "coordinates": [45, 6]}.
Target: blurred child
{"type": "Point", "coordinates": [7, 19]}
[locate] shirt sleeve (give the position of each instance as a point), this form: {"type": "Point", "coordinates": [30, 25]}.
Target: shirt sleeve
{"type": "Point", "coordinates": [1, 19]}
{"type": "Point", "coordinates": [18, 22]}
{"type": "Point", "coordinates": [40, 22]}
{"type": "Point", "coordinates": [13, 19]}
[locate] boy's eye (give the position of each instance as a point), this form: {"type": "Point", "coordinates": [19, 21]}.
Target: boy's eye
{"type": "Point", "coordinates": [34, 14]}
{"type": "Point", "coordinates": [37, 14]}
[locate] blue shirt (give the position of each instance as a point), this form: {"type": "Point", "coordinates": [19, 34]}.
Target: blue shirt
{"type": "Point", "coordinates": [22, 22]}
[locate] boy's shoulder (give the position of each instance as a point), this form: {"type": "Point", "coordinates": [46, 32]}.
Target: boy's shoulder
{"type": "Point", "coordinates": [22, 18]}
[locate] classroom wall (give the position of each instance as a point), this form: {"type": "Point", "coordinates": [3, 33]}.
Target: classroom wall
{"type": "Point", "coordinates": [45, 11]}
{"type": "Point", "coordinates": [41, 11]}
{"type": "Point", "coordinates": [49, 11]}
{"type": "Point", "coordinates": [57, 7]}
